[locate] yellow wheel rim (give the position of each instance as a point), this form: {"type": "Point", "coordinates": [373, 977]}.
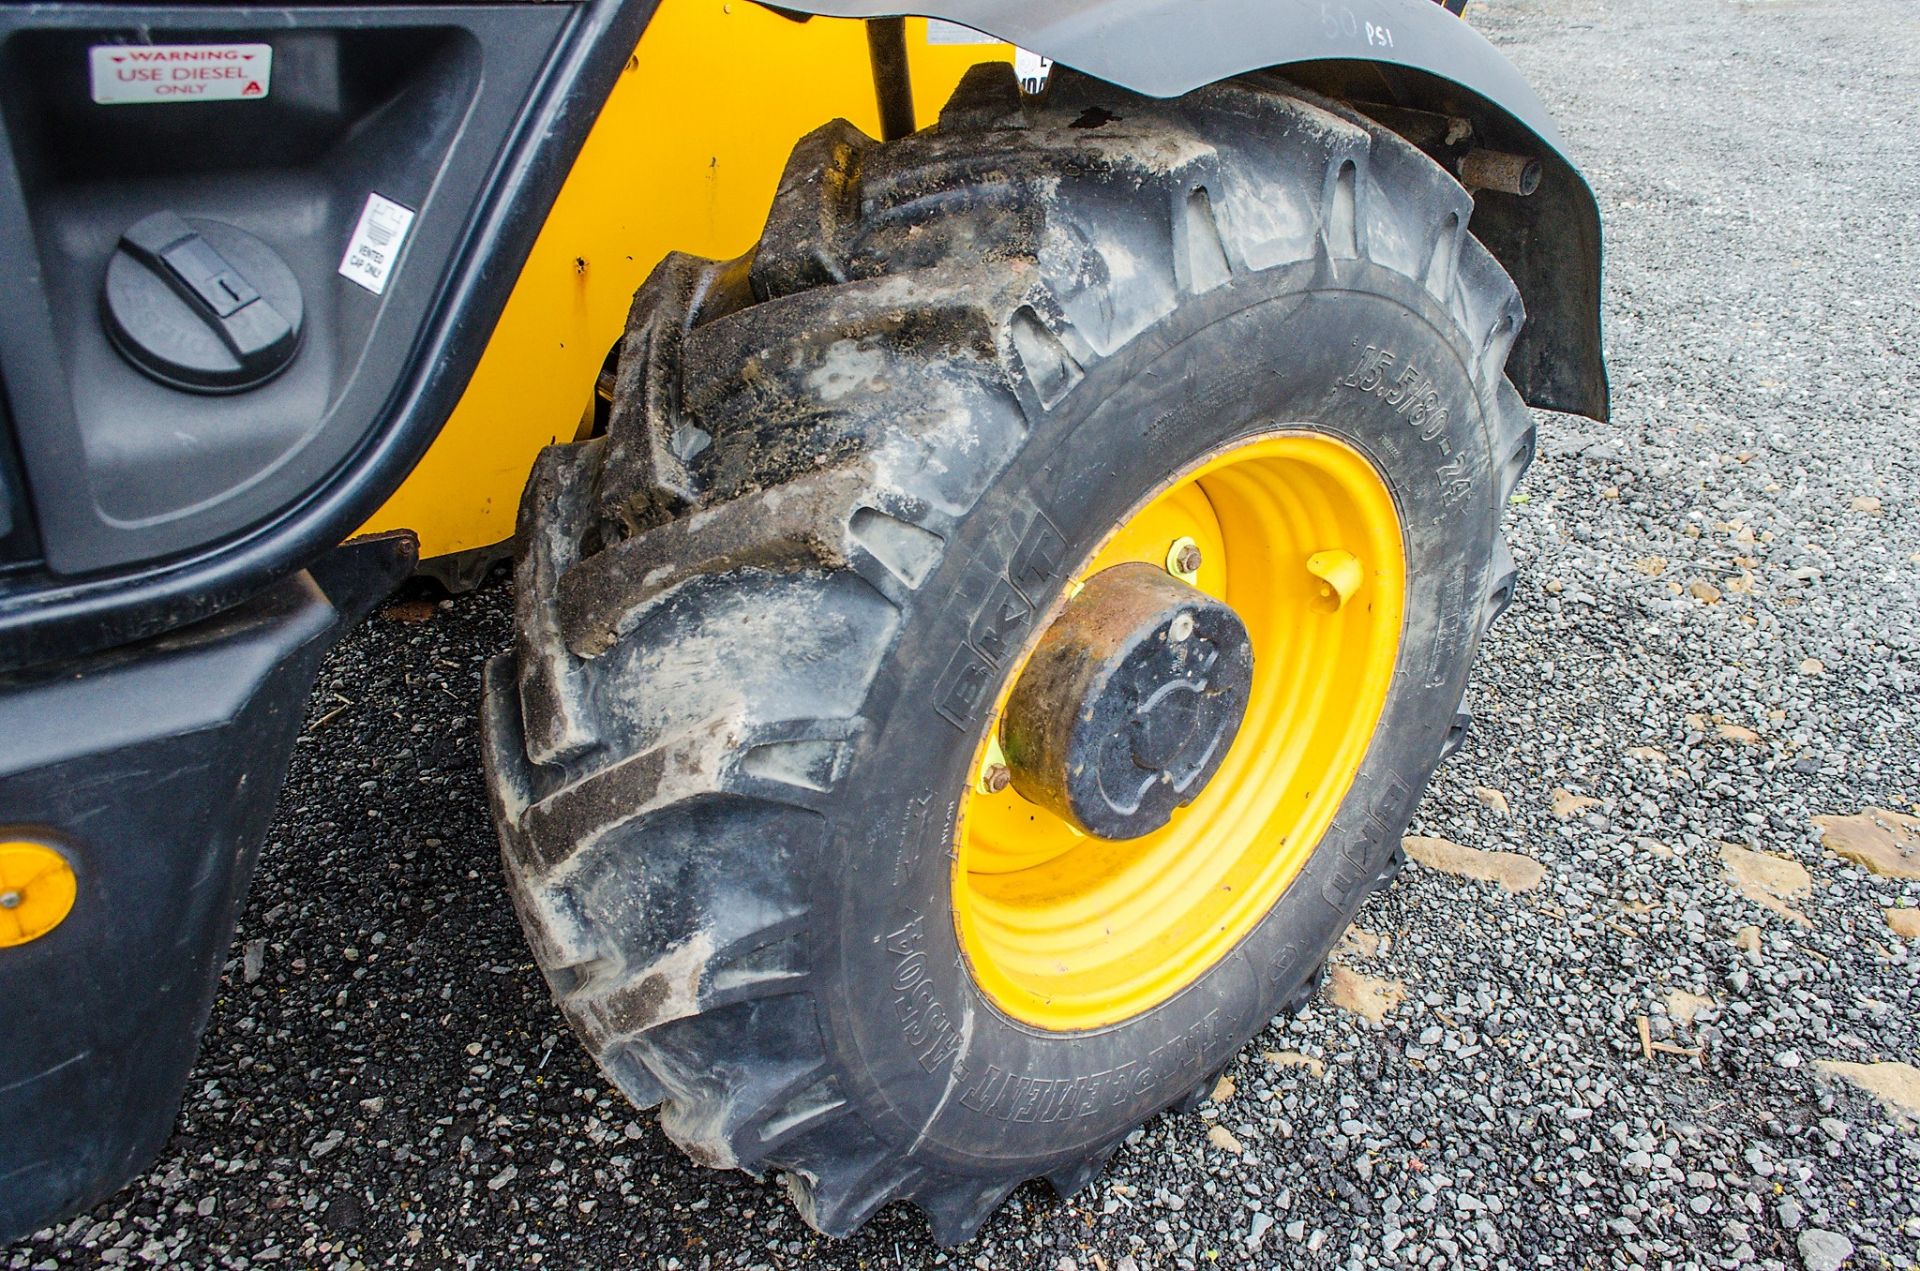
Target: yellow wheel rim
{"type": "Point", "coordinates": [1299, 535]}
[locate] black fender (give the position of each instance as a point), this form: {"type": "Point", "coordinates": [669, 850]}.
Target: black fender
{"type": "Point", "coordinates": [1406, 56]}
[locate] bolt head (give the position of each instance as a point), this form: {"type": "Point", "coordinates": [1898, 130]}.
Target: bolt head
{"type": "Point", "coordinates": [997, 778]}
{"type": "Point", "coordinates": [10, 899]}
{"type": "Point", "coordinates": [1187, 559]}
{"type": "Point", "coordinates": [1180, 628]}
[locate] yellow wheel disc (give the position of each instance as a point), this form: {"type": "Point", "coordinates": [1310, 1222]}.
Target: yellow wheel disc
{"type": "Point", "coordinates": [36, 891]}
{"type": "Point", "coordinates": [1299, 535]}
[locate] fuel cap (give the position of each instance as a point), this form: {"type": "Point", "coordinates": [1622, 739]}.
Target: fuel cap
{"type": "Point", "coordinates": [200, 305]}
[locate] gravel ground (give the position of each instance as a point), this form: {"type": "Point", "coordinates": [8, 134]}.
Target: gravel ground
{"type": "Point", "coordinates": [1714, 642]}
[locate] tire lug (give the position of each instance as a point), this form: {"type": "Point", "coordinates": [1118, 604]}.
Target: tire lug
{"type": "Point", "coordinates": [1307, 988]}
{"type": "Point", "coordinates": [1190, 1102]}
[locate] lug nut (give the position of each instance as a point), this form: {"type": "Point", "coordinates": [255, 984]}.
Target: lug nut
{"type": "Point", "coordinates": [9, 900]}
{"type": "Point", "coordinates": [996, 778]}
{"type": "Point", "coordinates": [1183, 558]}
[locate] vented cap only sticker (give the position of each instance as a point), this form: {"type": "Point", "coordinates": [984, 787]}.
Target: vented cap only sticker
{"type": "Point", "coordinates": [374, 249]}
{"type": "Point", "coordinates": [124, 74]}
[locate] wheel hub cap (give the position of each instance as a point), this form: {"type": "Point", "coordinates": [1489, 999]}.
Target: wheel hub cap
{"type": "Point", "coordinates": [1129, 702]}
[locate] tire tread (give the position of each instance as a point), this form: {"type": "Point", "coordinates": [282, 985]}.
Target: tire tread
{"type": "Point", "coordinates": [782, 438]}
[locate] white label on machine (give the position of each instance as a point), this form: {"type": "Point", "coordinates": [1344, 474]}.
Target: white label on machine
{"type": "Point", "coordinates": [1032, 70]}
{"type": "Point", "coordinates": [375, 246]}
{"type": "Point", "coordinates": [941, 31]}
{"type": "Point", "coordinates": [126, 73]}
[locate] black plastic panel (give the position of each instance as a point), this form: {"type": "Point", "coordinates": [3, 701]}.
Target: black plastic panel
{"type": "Point", "coordinates": [398, 364]}
{"type": "Point", "coordinates": [19, 547]}
{"type": "Point", "coordinates": [153, 768]}
{"type": "Point", "coordinates": [411, 103]}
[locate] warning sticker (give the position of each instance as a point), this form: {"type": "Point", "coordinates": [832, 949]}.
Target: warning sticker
{"type": "Point", "coordinates": [128, 73]}
{"type": "Point", "coordinates": [1029, 67]}
{"type": "Point", "coordinates": [374, 248]}
{"type": "Point", "coordinates": [941, 31]}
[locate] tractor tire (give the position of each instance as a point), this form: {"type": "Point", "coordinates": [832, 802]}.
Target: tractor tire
{"type": "Point", "coordinates": [847, 482]}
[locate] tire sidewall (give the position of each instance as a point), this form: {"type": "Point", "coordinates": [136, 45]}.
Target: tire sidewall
{"type": "Point", "coordinates": [930, 1060]}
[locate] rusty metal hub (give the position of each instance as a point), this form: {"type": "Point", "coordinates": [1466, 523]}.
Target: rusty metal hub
{"type": "Point", "coordinates": [1129, 702]}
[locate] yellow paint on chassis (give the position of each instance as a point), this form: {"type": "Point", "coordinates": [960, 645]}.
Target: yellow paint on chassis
{"type": "Point", "coordinates": [684, 157]}
{"type": "Point", "coordinates": [1068, 932]}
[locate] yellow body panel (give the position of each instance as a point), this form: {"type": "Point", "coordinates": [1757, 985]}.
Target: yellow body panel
{"type": "Point", "coordinates": [684, 157]}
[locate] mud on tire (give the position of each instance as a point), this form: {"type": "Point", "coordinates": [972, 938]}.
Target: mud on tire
{"type": "Point", "coordinates": [725, 746]}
